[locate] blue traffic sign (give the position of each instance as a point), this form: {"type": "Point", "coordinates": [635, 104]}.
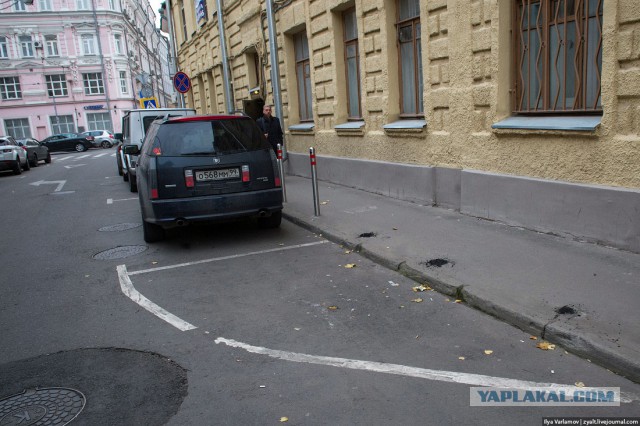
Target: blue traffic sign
{"type": "Point", "coordinates": [181, 82]}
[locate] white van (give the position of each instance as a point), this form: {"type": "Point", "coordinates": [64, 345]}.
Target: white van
{"type": "Point", "coordinates": [134, 127]}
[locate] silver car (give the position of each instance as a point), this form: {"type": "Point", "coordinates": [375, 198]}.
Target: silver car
{"type": "Point", "coordinates": [101, 138]}
{"type": "Point", "coordinates": [12, 156]}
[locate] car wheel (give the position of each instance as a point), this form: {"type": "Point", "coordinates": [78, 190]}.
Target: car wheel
{"type": "Point", "coordinates": [125, 176]}
{"type": "Point", "coordinates": [17, 169]}
{"type": "Point", "coordinates": [272, 221]}
{"type": "Point", "coordinates": [34, 160]}
{"type": "Point", "coordinates": [152, 232]}
{"type": "Point", "coordinates": [105, 144]}
{"type": "Point", "coordinates": [80, 147]}
{"type": "Point", "coordinates": [27, 166]}
{"type": "Point", "coordinates": [133, 185]}
{"type": "Point", "coordinates": [48, 159]}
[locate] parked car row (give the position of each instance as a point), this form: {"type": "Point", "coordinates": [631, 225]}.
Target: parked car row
{"type": "Point", "coordinates": [13, 156]}
{"type": "Point", "coordinates": [199, 168]}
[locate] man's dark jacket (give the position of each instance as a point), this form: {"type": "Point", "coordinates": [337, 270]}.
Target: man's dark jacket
{"type": "Point", "coordinates": [272, 127]}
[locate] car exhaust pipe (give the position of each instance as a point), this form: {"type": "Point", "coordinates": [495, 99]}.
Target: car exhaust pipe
{"type": "Point", "coordinates": [263, 213]}
{"type": "Point", "coordinates": [181, 222]}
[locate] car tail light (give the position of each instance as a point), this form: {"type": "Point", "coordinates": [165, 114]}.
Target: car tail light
{"type": "Point", "coordinates": [246, 177]}
{"type": "Point", "coordinates": [276, 171]}
{"type": "Point", "coordinates": [153, 179]}
{"type": "Point", "coordinates": [188, 179]}
{"type": "Point", "coordinates": [110, 135]}
{"type": "Point", "coordinates": [24, 147]}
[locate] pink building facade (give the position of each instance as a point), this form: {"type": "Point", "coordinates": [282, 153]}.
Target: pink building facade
{"type": "Point", "coordinates": [77, 65]}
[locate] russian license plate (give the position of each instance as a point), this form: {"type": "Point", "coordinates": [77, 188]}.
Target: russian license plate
{"type": "Point", "coordinates": [217, 174]}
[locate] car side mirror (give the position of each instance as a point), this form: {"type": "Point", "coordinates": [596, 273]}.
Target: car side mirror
{"type": "Point", "coordinates": [131, 150]}
{"type": "Point", "coordinates": [118, 136]}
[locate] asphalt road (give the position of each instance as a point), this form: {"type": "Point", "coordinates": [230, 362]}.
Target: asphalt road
{"type": "Point", "coordinates": [230, 324]}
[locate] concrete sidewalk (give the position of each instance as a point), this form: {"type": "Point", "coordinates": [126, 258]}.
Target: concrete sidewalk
{"type": "Point", "coordinates": [581, 296]}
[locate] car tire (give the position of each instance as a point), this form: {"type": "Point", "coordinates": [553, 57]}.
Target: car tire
{"type": "Point", "coordinates": [48, 159]}
{"type": "Point", "coordinates": [34, 160]}
{"type": "Point", "coordinates": [17, 169]}
{"type": "Point", "coordinates": [80, 147]}
{"type": "Point", "coordinates": [133, 185]}
{"type": "Point", "coordinates": [272, 221]}
{"type": "Point", "coordinates": [125, 176]}
{"type": "Point", "coordinates": [27, 166]}
{"type": "Point", "coordinates": [152, 232]}
{"type": "Point", "coordinates": [105, 144]}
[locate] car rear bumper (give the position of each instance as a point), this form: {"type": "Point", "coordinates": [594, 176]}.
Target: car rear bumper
{"type": "Point", "coordinates": [178, 211]}
{"type": "Point", "coordinates": [7, 164]}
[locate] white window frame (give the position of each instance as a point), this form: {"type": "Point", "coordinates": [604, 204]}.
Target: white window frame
{"type": "Point", "coordinates": [88, 42]}
{"type": "Point", "coordinates": [51, 42]}
{"type": "Point", "coordinates": [57, 123]}
{"type": "Point", "coordinates": [56, 85]}
{"type": "Point", "coordinates": [19, 6]}
{"type": "Point", "coordinates": [93, 83]}
{"type": "Point", "coordinates": [99, 120]}
{"type": "Point", "coordinates": [19, 128]}
{"type": "Point", "coordinates": [26, 46]}
{"type": "Point", "coordinates": [4, 48]}
{"type": "Point", "coordinates": [124, 83]}
{"type": "Point", "coordinates": [83, 4]}
{"type": "Point", "coordinates": [10, 88]}
{"type": "Point", "coordinates": [117, 41]}
{"type": "Point", "coordinates": [44, 5]}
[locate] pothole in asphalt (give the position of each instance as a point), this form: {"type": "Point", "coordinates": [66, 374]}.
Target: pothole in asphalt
{"type": "Point", "coordinates": [119, 227]}
{"type": "Point", "coordinates": [119, 253]}
{"type": "Point", "coordinates": [438, 263]}
{"type": "Point", "coordinates": [367, 235]}
{"type": "Point", "coordinates": [566, 310]}
{"type": "Point", "coordinates": [47, 406]}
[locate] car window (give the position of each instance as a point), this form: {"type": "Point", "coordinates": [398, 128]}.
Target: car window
{"type": "Point", "coordinates": [4, 142]}
{"type": "Point", "coordinates": [209, 137]}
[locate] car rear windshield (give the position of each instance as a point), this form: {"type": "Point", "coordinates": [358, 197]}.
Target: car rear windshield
{"type": "Point", "coordinates": [209, 137]}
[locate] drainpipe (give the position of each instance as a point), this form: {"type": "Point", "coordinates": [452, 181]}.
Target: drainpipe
{"type": "Point", "coordinates": [275, 70]}
{"type": "Point", "coordinates": [104, 70]}
{"type": "Point", "coordinates": [226, 71]}
{"type": "Point", "coordinates": [172, 51]}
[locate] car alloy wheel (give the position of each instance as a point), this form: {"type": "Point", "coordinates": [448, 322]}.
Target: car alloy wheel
{"type": "Point", "coordinates": [17, 169]}
{"type": "Point", "coordinates": [105, 144]}
{"type": "Point", "coordinates": [80, 147]}
{"type": "Point", "coordinates": [34, 160]}
{"type": "Point", "coordinates": [48, 159]}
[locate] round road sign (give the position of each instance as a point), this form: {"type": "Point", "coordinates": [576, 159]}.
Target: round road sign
{"type": "Point", "coordinates": [181, 82]}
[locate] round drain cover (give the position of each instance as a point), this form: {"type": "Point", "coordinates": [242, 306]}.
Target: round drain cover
{"type": "Point", "coordinates": [119, 227]}
{"type": "Point", "coordinates": [119, 252]}
{"type": "Point", "coordinates": [48, 406]}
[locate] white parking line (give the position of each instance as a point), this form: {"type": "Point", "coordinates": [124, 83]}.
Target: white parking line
{"type": "Point", "coordinates": [233, 256]}
{"type": "Point", "coordinates": [82, 156]}
{"type": "Point", "coordinates": [111, 200]}
{"type": "Point", "coordinates": [113, 155]}
{"type": "Point", "coordinates": [63, 158]}
{"type": "Point", "coordinates": [100, 155]}
{"type": "Point", "coordinates": [129, 290]}
{"type": "Point", "coordinates": [403, 370]}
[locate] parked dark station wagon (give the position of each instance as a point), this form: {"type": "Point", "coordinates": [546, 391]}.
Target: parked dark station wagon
{"type": "Point", "coordinates": [206, 168]}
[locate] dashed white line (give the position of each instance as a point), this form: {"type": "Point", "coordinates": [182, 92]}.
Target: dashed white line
{"type": "Point", "coordinates": [129, 290]}
{"type": "Point", "coordinates": [111, 200]}
{"type": "Point", "coordinates": [403, 370]}
{"type": "Point", "coordinates": [82, 156]}
{"type": "Point", "coordinates": [100, 155]}
{"type": "Point", "coordinates": [64, 158]}
{"type": "Point", "coordinates": [233, 256]}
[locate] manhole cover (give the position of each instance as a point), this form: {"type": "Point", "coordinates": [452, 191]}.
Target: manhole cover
{"type": "Point", "coordinates": [48, 406]}
{"type": "Point", "coordinates": [119, 252]}
{"type": "Point", "coordinates": [119, 227]}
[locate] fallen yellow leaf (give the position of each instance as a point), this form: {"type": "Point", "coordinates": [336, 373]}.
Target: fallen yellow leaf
{"type": "Point", "coordinates": [323, 203]}
{"type": "Point", "coordinates": [418, 300]}
{"type": "Point", "coordinates": [154, 263]}
{"type": "Point", "coordinates": [350, 265]}
{"type": "Point", "coordinates": [447, 300]}
{"type": "Point", "coordinates": [332, 308]}
{"type": "Point", "coordinates": [545, 346]}
{"type": "Point", "coordinates": [347, 252]}
{"type": "Point", "coordinates": [580, 384]}
{"type": "Point", "coordinates": [533, 338]}
{"type": "Point", "coordinates": [458, 301]}
{"type": "Point", "coordinates": [461, 358]}
{"type": "Point", "coordinates": [284, 419]}
{"type": "Point", "coordinates": [421, 287]}
{"type": "Point", "coordinates": [488, 352]}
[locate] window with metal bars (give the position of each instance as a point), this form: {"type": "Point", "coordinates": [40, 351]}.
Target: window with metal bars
{"type": "Point", "coordinates": [558, 56]}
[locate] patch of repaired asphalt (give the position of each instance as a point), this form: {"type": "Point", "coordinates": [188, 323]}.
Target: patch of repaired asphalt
{"type": "Point", "coordinates": [121, 386]}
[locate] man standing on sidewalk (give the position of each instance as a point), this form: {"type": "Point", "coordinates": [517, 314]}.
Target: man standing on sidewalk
{"type": "Point", "coordinates": [270, 126]}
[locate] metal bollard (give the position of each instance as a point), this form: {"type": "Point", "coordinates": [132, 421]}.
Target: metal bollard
{"type": "Point", "coordinates": [314, 182]}
{"type": "Point", "coordinates": [281, 171]}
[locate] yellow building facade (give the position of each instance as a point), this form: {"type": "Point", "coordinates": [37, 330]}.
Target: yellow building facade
{"type": "Point", "coordinates": [522, 111]}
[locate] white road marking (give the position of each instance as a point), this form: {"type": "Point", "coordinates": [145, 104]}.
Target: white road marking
{"type": "Point", "coordinates": [43, 182]}
{"type": "Point", "coordinates": [403, 370]}
{"type": "Point", "coordinates": [111, 200]}
{"type": "Point", "coordinates": [129, 290]}
{"type": "Point", "coordinates": [71, 166]}
{"type": "Point", "coordinates": [100, 155]}
{"type": "Point", "coordinates": [64, 158]}
{"type": "Point", "coordinates": [113, 155]}
{"type": "Point", "coordinates": [233, 256]}
{"type": "Point", "coordinates": [82, 156]}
